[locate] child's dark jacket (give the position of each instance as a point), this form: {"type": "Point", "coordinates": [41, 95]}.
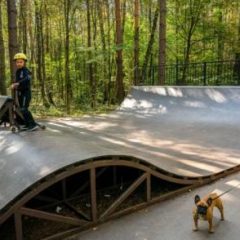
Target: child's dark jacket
{"type": "Point", "coordinates": [23, 77]}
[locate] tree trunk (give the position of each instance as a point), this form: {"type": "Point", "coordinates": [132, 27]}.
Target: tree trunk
{"type": "Point", "coordinates": [109, 56]}
{"type": "Point", "coordinates": [194, 11]}
{"type": "Point", "coordinates": [123, 7]}
{"type": "Point", "coordinates": [2, 57]}
{"type": "Point", "coordinates": [149, 10]}
{"type": "Point", "coordinates": [40, 51]}
{"type": "Point", "coordinates": [32, 42]}
{"type": "Point", "coordinates": [238, 37]}
{"type": "Point", "coordinates": [95, 44]}
{"type": "Point", "coordinates": [22, 29]}
{"type": "Point", "coordinates": [90, 65]}
{"type": "Point", "coordinates": [150, 45]}
{"type": "Point", "coordinates": [119, 58]}
{"type": "Point", "coordinates": [136, 41]}
{"type": "Point", "coordinates": [162, 42]}
{"type": "Point", "coordinates": [236, 67]}
{"type": "Point", "coordinates": [12, 35]}
{"type": "Point", "coordinates": [220, 45]}
{"type": "Point", "coordinates": [177, 6]}
{"type": "Point", "coordinates": [187, 57]}
{"type": "Point", "coordinates": [48, 28]}
{"type": "Point", "coordinates": [104, 49]}
{"type": "Point", "coordinates": [67, 45]}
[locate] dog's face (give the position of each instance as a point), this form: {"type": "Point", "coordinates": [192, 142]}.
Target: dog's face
{"type": "Point", "coordinates": [202, 206]}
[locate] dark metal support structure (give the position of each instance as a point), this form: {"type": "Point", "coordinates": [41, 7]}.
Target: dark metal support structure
{"type": "Point", "coordinates": [149, 187]}
{"type": "Point", "coordinates": [95, 168]}
{"type": "Point", "coordinates": [18, 226]}
{"type": "Point", "coordinates": [124, 196]}
{"type": "Point", "coordinates": [50, 216]}
{"type": "Point", "coordinates": [93, 194]}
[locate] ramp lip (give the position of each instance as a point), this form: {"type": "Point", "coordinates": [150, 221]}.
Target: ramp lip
{"type": "Point", "coordinates": [183, 86]}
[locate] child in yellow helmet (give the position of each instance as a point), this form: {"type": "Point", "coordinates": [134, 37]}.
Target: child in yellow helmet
{"type": "Point", "coordinates": [23, 86]}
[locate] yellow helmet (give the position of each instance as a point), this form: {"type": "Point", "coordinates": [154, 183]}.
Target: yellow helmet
{"type": "Point", "coordinates": [20, 56]}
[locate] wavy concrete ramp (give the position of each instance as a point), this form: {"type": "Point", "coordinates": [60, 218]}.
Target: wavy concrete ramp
{"type": "Point", "coordinates": [180, 134]}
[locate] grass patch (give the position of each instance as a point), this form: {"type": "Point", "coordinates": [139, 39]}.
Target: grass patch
{"type": "Point", "coordinates": [41, 111]}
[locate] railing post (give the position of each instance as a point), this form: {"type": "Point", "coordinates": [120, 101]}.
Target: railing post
{"type": "Point", "coordinates": [18, 226]}
{"type": "Point", "coordinates": [238, 72]}
{"type": "Point", "coordinates": [153, 76]}
{"type": "Point", "coordinates": [93, 190]}
{"type": "Point", "coordinates": [177, 74]}
{"type": "Point", "coordinates": [205, 74]}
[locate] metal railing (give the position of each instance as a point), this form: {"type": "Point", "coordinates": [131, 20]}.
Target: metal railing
{"type": "Point", "coordinates": [196, 74]}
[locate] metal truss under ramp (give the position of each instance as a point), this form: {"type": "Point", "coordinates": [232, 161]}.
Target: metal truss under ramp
{"type": "Point", "coordinates": [179, 137]}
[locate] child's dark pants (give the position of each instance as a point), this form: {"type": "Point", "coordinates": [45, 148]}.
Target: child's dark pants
{"type": "Point", "coordinates": [24, 99]}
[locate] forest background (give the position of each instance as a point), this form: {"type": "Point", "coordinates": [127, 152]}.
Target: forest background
{"type": "Point", "coordinates": [86, 54]}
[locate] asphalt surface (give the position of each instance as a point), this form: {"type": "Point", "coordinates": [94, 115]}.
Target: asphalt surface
{"type": "Point", "coordinates": [188, 131]}
{"type": "Point", "coordinates": [172, 219]}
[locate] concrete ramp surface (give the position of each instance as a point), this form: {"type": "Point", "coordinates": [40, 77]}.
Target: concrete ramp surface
{"type": "Point", "coordinates": [183, 133]}
{"type": "Point", "coordinates": [199, 103]}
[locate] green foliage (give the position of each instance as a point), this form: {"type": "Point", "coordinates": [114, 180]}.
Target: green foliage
{"type": "Point", "coordinates": [208, 29]}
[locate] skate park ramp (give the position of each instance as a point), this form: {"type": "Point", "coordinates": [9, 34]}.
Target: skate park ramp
{"type": "Point", "coordinates": [184, 133]}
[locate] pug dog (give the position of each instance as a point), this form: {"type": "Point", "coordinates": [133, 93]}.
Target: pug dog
{"type": "Point", "coordinates": [204, 210]}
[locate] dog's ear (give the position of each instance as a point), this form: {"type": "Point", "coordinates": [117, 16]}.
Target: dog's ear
{"type": "Point", "coordinates": [209, 201]}
{"type": "Point", "coordinates": [197, 199]}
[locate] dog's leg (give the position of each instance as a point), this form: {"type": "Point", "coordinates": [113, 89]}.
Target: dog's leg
{"type": "Point", "coordinates": [210, 229]}
{"type": "Point", "coordinates": [220, 208]}
{"type": "Point", "coordinates": [195, 219]}
{"type": "Point", "coordinates": [222, 212]}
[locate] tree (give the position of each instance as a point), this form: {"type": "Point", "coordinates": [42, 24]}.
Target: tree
{"type": "Point", "coordinates": [150, 45]}
{"type": "Point", "coordinates": [12, 34]}
{"type": "Point", "coordinates": [136, 41]}
{"type": "Point", "coordinates": [119, 57]}
{"type": "Point", "coordinates": [109, 56]}
{"type": "Point", "coordinates": [67, 45]}
{"type": "Point", "coordinates": [236, 67]}
{"type": "Point", "coordinates": [41, 73]}
{"type": "Point", "coordinates": [22, 26]}
{"type": "Point", "coordinates": [162, 42]}
{"type": "Point", "coordinates": [90, 64]}
{"type": "Point", "coordinates": [2, 57]}
{"type": "Point", "coordinates": [192, 13]}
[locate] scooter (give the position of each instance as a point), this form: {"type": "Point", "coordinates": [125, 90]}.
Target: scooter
{"type": "Point", "coordinates": [11, 114]}
{"type": "Point", "coordinates": [18, 117]}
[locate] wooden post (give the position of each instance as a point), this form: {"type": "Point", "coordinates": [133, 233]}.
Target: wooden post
{"type": "Point", "coordinates": [18, 226]}
{"type": "Point", "coordinates": [93, 194]}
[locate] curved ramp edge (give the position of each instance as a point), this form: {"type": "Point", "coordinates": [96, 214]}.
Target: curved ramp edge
{"type": "Point", "coordinates": [103, 162]}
